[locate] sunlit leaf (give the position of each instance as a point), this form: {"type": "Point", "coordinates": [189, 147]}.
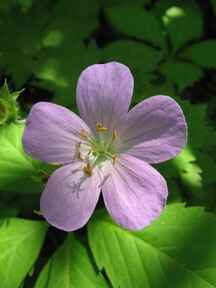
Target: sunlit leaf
{"type": "Point", "coordinates": [70, 267]}
{"type": "Point", "coordinates": [17, 170]}
{"type": "Point", "coordinates": [60, 69]}
{"type": "Point", "coordinates": [20, 244]}
{"type": "Point", "coordinates": [194, 168]}
{"type": "Point", "coordinates": [183, 23]}
{"type": "Point", "coordinates": [178, 250]}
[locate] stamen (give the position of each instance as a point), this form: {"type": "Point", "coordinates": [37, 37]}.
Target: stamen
{"type": "Point", "coordinates": [80, 156]}
{"type": "Point", "coordinates": [83, 134]}
{"type": "Point", "coordinates": [87, 169]}
{"type": "Point", "coordinates": [38, 212]}
{"type": "Point", "coordinates": [78, 153]}
{"type": "Point", "coordinates": [100, 128]}
{"type": "Point", "coordinates": [114, 135]}
{"type": "Point", "coordinates": [114, 157]}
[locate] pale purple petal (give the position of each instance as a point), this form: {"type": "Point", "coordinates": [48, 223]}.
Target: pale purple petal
{"type": "Point", "coordinates": [52, 133]}
{"type": "Point", "coordinates": [70, 197]}
{"type": "Point", "coordinates": [134, 193]}
{"type": "Point", "coordinates": [155, 130]}
{"type": "Point", "coordinates": [104, 93]}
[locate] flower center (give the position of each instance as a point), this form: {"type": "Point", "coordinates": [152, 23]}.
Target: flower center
{"type": "Point", "coordinates": [95, 151]}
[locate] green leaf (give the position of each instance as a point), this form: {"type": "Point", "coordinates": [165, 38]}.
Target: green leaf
{"type": "Point", "coordinates": [137, 56]}
{"type": "Point", "coordinates": [183, 23]}
{"type": "Point", "coordinates": [181, 73]}
{"type": "Point", "coordinates": [151, 84]}
{"type": "Point", "coordinates": [114, 3]}
{"type": "Point", "coordinates": [194, 168]}
{"type": "Point", "coordinates": [7, 211]}
{"type": "Point", "coordinates": [202, 53]}
{"type": "Point", "coordinates": [140, 58]}
{"type": "Point", "coordinates": [144, 24]}
{"type": "Point", "coordinates": [19, 52]}
{"type": "Point", "coordinates": [17, 169]}
{"type": "Point", "coordinates": [177, 250]}
{"type": "Point", "coordinates": [213, 3]}
{"type": "Point", "coordinates": [70, 267]}
{"type": "Point", "coordinates": [60, 68]}
{"type": "Point", "coordinates": [20, 244]}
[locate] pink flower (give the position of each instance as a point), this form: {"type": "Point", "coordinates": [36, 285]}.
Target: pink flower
{"type": "Point", "coordinates": [108, 149]}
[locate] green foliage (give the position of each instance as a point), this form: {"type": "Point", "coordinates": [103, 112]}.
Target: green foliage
{"type": "Point", "coordinates": [17, 169]}
{"type": "Point", "coordinates": [183, 23]}
{"type": "Point", "coordinates": [20, 244]}
{"type": "Point", "coordinates": [181, 73]}
{"type": "Point", "coordinates": [145, 25]}
{"type": "Point", "coordinates": [70, 267]}
{"type": "Point", "coordinates": [178, 250]}
{"type": "Point", "coordinates": [194, 168]}
{"type": "Point", "coordinates": [130, 53]}
{"type": "Point", "coordinates": [202, 54]}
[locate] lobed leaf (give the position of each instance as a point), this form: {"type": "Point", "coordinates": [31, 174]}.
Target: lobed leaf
{"type": "Point", "coordinates": [20, 244]}
{"type": "Point", "coordinates": [177, 250]}
{"type": "Point", "coordinates": [70, 267]}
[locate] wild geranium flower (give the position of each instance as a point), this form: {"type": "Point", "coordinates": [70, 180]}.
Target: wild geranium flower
{"type": "Point", "coordinates": [108, 149]}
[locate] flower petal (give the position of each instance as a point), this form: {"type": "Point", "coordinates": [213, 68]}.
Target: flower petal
{"type": "Point", "coordinates": [52, 133]}
{"type": "Point", "coordinates": [104, 93]}
{"type": "Point", "coordinates": [134, 193]}
{"type": "Point", "coordinates": [70, 197]}
{"type": "Point", "coordinates": [155, 130]}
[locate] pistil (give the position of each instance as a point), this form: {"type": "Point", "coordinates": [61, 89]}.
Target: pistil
{"type": "Point", "coordinates": [95, 150]}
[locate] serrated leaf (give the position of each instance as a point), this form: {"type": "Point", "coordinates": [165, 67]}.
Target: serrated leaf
{"type": "Point", "coordinates": [202, 53]}
{"type": "Point", "coordinates": [70, 267]}
{"type": "Point", "coordinates": [20, 244]}
{"type": "Point", "coordinates": [145, 24]}
{"type": "Point", "coordinates": [178, 250]}
{"type": "Point", "coordinates": [17, 170]}
{"type": "Point", "coordinates": [181, 73]}
{"type": "Point", "coordinates": [183, 23]}
{"type": "Point", "coordinates": [194, 168]}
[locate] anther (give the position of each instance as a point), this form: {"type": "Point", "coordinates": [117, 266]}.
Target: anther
{"type": "Point", "coordinates": [79, 156]}
{"type": "Point", "coordinates": [83, 134]}
{"type": "Point", "coordinates": [87, 169]}
{"type": "Point", "coordinates": [114, 157]}
{"type": "Point", "coordinates": [100, 128]}
{"type": "Point", "coordinates": [114, 135]}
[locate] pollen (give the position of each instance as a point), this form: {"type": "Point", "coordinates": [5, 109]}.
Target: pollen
{"type": "Point", "coordinates": [100, 128]}
{"type": "Point", "coordinates": [87, 169]}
